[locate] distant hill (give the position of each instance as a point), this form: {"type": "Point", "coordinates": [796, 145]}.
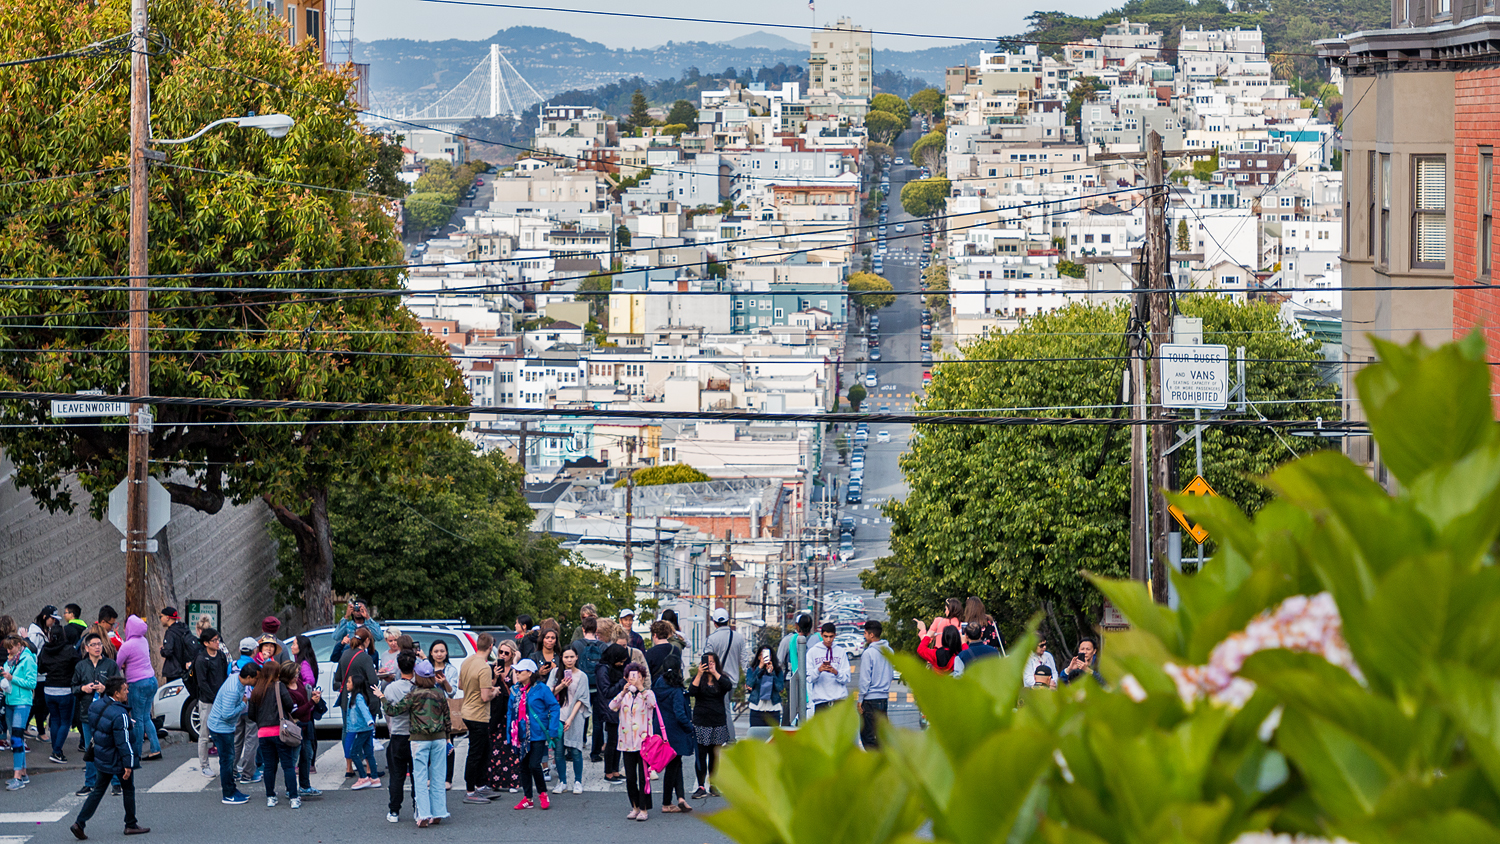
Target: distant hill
{"type": "Point", "coordinates": [407, 74]}
{"type": "Point", "coordinates": [765, 40]}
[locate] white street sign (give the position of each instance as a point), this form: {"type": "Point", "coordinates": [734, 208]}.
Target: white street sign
{"type": "Point", "coordinates": [158, 506]}
{"type": "Point", "coordinates": [67, 408]}
{"type": "Point", "coordinates": [1194, 376]}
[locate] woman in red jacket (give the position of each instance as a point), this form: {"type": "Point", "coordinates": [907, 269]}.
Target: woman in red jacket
{"type": "Point", "coordinates": [950, 646]}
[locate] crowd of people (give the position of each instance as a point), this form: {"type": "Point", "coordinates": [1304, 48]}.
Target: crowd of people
{"type": "Point", "coordinates": [530, 707]}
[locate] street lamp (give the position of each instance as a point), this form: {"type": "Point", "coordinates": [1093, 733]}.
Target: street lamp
{"type": "Point", "coordinates": [136, 543]}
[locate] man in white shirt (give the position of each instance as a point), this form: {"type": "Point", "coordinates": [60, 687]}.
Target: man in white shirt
{"type": "Point", "coordinates": [828, 671]}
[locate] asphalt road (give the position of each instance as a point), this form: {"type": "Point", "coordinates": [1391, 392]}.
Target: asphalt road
{"type": "Point", "coordinates": [898, 377]}
{"type": "Point", "coordinates": [171, 794]}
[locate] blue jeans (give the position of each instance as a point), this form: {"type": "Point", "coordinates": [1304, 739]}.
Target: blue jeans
{"type": "Point", "coordinates": [273, 750]}
{"type": "Point", "coordinates": [90, 773]}
{"type": "Point", "coordinates": [563, 754]}
{"type": "Point", "coordinates": [362, 748]}
{"type": "Point", "coordinates": [225, 744]}
{"type": "Point", "coordinates": [305, 755]}
{"type": "Point", "coordinates": [429, 766]}
{"type": "Point", "coordinates": [19, 715]}
{"type": "Point", "coordinates": [60, 714]}
{"type": "Point", "coordinates": [142, 696]}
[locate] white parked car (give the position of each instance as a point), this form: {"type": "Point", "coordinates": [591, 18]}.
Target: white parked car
{"type": "Point", "coordinates": [174, 708]}
{"type": "Point", "coordinates": [870, 379]}
{"type": "Point", "coordinates": [851, 644]}
{"type": "Point", "coordinates": [883, 437]}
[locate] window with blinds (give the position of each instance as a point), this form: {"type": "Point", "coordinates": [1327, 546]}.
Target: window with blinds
{"type": "Point", "coordinates": [1486, 209]}
{"type": "Point", "coordinates": [1430, 211]}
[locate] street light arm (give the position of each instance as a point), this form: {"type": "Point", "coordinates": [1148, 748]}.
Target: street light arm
{"type": "Point", "coordinates": [196, 135]}
{"type": "Point", "coordinates": [275, 125]}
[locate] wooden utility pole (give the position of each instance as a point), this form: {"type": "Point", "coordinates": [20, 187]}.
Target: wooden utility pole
{"type": "Point", "coordinates": [1158, 246]}
{"type": "Point", "coordinates": [139, 438]}
{"type": "Point", "coordinates": [1140, 543]}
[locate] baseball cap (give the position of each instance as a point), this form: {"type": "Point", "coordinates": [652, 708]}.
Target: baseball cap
{"type": "Point", "coordinates": [247, 645]}
{"type": "Point", "coordinates": [1042, 670]}
{"type": "Point", "coordinates": [169, 612]}
{"type": "Point", "coordinates": [627, 612]}
{"type": "Point", "coordinates": [424, 669]}
{"type": "Point", "coordinates": [51, 612]}
{"type": "Point", "coordinates": [720, 615]}
{"type": "Point", "coordinates": [526, 665]}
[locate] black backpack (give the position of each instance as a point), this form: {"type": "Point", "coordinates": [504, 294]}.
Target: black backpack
{"type": "Point", "coordinates": [190, 677]}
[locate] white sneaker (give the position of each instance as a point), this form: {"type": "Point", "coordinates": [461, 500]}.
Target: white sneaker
{"type": "Point", "coordinates": [270, 802]}
{"type": "Point", "coordinates": [208, 773]}
{"type": "Point", "coordinates": [577, 786]}
{"type": "Point", "coordinates": [392, 817]}
{"type": "Point", "coordinates": [296, 803]}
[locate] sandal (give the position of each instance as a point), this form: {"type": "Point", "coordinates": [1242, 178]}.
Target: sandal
{"type": "Point", "coordinates": [670, 810]}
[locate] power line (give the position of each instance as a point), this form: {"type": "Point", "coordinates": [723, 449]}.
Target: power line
{"type": "Point", "coordinates": [94, 49]}
{"type": "Point", "coordinates": [715, 416]}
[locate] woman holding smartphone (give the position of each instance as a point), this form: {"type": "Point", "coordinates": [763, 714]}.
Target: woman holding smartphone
{"type": "Point", "coordinates": [572, 691]}
{"type": "Point", "coordinates": [763, 685]}
{"type": "Point", "coordinates": [710, 721]}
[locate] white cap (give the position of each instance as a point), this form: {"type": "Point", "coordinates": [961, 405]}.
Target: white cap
{"type": "Point", "coordinates": [720, 615]}
{"type": "Point", "coordinates": [526, 665]}
{"type": "Point", "coordinates": [627, 611]}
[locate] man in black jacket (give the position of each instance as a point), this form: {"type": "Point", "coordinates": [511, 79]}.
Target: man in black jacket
{"type": "Point", "coordinates": [114, 755]}
{"type": "Point", "coordinates": [210, 670]}
{"type": "Point", "coordinates": [177, 649]}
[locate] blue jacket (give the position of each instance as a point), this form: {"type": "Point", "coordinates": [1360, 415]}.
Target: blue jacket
{"type": "Point", "coordinates": [671, 702]}
{"type": "Point", "coordinates": [542, 720]}
{"type": "Point", "coordinates": [113, 750]}
{"type": "Point", "coordinates": [752, 686]}
{"type": "Point", "coordinates": [229, 705]}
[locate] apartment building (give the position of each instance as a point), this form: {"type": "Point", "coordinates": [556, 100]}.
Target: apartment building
{"type": "Point", "coordinates": [842, 60]}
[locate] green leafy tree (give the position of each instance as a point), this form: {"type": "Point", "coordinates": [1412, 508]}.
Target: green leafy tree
{"type": "Point", "coordinates": [1011, 514]}
{"type": "Point", "coordinates": [668, 473]}
{"type": "Point", "coordinates": [1331, 675]}
{"type": "Point", "coordinates": [228, 215]}
{"type": "Point", "coordinates": [683, 112]}
{"type": "Point", "coordinates": [1184, 237]}
{"type": "Point", "coordinates": [622, 236]}
{"type": "Point", "coordinates": [857, 395]}
{"type": "Point", "coordinates": [595, 290]}
{"type": "Point", "coordinates": [893, 105]}
{"type": "Point", "coordinates": [925, 197]}
{"type": "Point", "coordinates": [937, 281]}
{"type": "Point", "coordinates": [870, 292]}
{"type": "Point", "coordinates": [929, 149]}
{"type": "Point", "coordinates": [928, 101]}
{"type": "Point", "coordinates": [883, 127]}
{"type": "Point", "coordinates": [385, 175]}
{"type": "Point", "coordinates": [1083, 90]}
{"type": "Point", "coordinates": [427, 211]}
{"type": "Point", "coordinates": [1071, 269]}
{"type": "Point", "coordinates": [460, 526]}
{"type": "Point", "coordinates": [676, 130]}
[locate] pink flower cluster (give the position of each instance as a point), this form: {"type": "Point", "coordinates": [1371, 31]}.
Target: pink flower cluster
{"type": "Point", "coordinates": [1309, 624]}
{"type": "Point", "coordinates": [1273, 838]}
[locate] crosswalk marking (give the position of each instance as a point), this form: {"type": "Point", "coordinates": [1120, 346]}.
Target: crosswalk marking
{"type": "Point", "coordinates": [186, 779]}
{"type": "Point", "coordinates": [330, 765]}
{"type": "Point", "coordinates": [31, 817]}
{"type": "Point", "coordinates": [14, 839]}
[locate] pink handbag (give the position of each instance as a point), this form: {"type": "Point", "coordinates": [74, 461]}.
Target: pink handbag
{"type": "Point", "coordinates": [656, 753]}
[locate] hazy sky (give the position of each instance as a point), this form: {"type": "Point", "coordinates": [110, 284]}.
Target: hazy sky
{"type": "Point", "coordinates": [377, 19]}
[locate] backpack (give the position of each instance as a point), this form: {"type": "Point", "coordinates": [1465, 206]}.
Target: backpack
{"type": "Point", "coordinates": [593, 649]}
{"type": "Point", "coordinates": [190, 678]}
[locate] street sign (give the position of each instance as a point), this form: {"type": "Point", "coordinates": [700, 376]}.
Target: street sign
{"type": "Point", "coordinates": [1194, 376]}
{"type": "Point", "coordinates": [197, 611]}
{"type": "Point", "coordinates": [158, 506]}
{"type": "Point", "coordinates": [1193, 529]}
{"type": "Point", "coordinates": [73, 408]}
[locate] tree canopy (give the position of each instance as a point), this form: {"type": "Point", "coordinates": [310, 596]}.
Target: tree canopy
{"type": "Point", "coordinates": [1012, 514]}
{"type": "Point", "coordinates": [929, 149]}
{"type": "Point", "coordinates": [937, 282]}
{"type": "Point", "coordinates": [883, 126]}
{"type": "Point", "coordinates": [925, 197]}
{"type": "Point", "coordinates": [870, 291]}
{"type": "Point", "coordinates": [668, 473]}
{"type": "Point", "coordinates": [238, 212]}
{"type": "Point", "coordinates": [683, 112]}
{"type": "Point", "coordinates": [928, 101]}
{"type": "Point", "coordinates": [460, 528]}
{"type": "Point", "coordinates": [893, 105]}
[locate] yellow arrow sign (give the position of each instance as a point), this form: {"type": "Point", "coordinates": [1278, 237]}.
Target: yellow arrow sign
{"type": "Point", "coordinates": [1193, 529]}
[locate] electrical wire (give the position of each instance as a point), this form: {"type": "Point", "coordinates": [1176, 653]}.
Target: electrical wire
{"type": "Point", "coordinates": [98, 172]}
{"type": "Point", "coordinates": [94, 49]}
{"type": "Point", "coordinates": [715, 416]}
